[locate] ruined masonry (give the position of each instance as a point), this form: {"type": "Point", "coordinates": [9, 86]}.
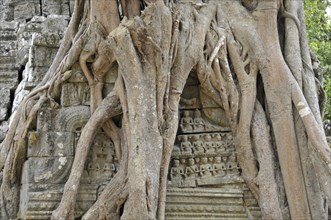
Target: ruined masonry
{"type": "Point", "coordinates": [204, 178]}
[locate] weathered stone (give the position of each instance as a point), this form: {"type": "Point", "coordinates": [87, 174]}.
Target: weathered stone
{"type": "Point", "coordinates": [8, 49]}
{"type": "Point", "coordinates": [9, 25]}
{"type": "Point", "coordinates": [39, 200]}
{"type": "Point", "coordinates": [26, 10]}
{"type": "Point", "coordinates": [6, 13]}
{"type": "Point", "coordinates": [8, 79]}
{"type": "Point", "coordinates": [56, 7]}
{"type": "Point", "coordinates": [47, 169]}
{"type": "Point", "coordinates": [19, 96]}
{"type": "Point", "coordinates": [71, 118]}
{"type": "Point", "coordinates": [5, 98]}
{"type": "Point", "coordinates": [41, 56]}
{"type": "Point", "coordinates": [75, 94]}
{"type": "Point", "coordinates": [4, 104]}
{"type": "Point", "coordinates": [3, 130]}
{"type": "Point", "coordinates": [44, 144]}
{"type": "Point", "coordinates": [55, 24]}
{"type": "Point", "coordinates": [206, 203]}
{"type": "Point", "coordinates": [47, 39]}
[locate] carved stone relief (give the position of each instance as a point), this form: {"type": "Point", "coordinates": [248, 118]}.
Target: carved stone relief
{"type": "Point", "coordinates": [50, 154]}
{"type": "Point", "coordinates": [204, 176]}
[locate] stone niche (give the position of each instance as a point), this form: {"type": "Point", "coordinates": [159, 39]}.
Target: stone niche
{"type": "Point", "coordinates": [204, 177]}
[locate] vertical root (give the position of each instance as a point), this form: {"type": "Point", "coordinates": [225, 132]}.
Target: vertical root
{"type": "Point", "coordinates": [268, 189]}
{"type": "Point", "coordinates": [165, 162]}
{"type": "Point", "coordinates": [111, 200]}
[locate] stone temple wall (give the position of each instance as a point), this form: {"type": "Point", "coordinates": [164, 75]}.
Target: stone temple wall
{"type": "Point", "coordinates": [30, 32]}
{"type": "Point", "coordinates": [204, 177]}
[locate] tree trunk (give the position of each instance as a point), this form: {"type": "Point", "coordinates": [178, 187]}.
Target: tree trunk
{"type": "Point", "coordinates": [153, 46]}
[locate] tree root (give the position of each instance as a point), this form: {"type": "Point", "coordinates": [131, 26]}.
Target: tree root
{"type": "Point", "coordinates": [111, 200]}
{"type": "Point", "coordinates": [156, 53]}
{"type": "Point", "coordinates": [268, 189]}
{"type": "Point", "coordinates": [109, 107]}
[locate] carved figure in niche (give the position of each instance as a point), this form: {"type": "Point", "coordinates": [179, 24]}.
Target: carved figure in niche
{"type": "Point", "coordinates": [229, 143]}
{"type": "Point", "coordinates": [102, 166]}
{"type": "Point", "coordinates": [176, 150]}
{"type": "Point", "coordinates": [70, 95]}
{"type": "Point", "coordinates": [109, 168]}
{"type": "Point", "coordinates": [93, 166]}
{"type": "Point", "coordinates": [205, 168]}
{"type": "Point", "coordinates": [219, 167]}
{"type": "Point", "coordinates": [209, 144]}
{"type": "Point", "coordinates": [84, 93]}
{"type": "Point", "coordinates": [186, 146]}
{"type": "Point", "coordinates": [199, 124]}
{"type": "Point", "coordinates": [184, 103]}
{"type": "Point", "coordinates": [176, 174]}
{"type": "Point", "coordinates": [219, 144]}
{"type": "Point", "coordinates": [232, 165]}
{"type": "Point", "coordinates": [186, 123]}
{"type": "Point", "coordinates": [191, 172]}
{"type": "Point", "coordinates": [197, 145]}
{"type": "Point", "coordinates": [182, 163]}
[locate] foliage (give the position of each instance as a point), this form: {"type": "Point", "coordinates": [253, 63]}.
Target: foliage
{"type": "Point", "coordinates": [319, 37]}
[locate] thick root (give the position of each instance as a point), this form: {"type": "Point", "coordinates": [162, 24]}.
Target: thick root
{"type": "Point", "coordinates": [111, 200]}
{"type": "Point", "coordinates": [108, 108]}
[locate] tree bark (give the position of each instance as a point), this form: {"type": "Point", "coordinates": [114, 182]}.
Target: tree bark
{"type": "Point", "coordinates": [156, 45]}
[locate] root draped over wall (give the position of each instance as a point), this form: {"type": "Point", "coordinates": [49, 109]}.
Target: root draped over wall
{"type": "Point", "coordinates": [234, 48]}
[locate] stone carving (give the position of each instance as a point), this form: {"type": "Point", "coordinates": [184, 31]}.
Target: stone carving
{"type": "Point", "coordinates": [50, 156]}
{"type": "Point", "coordinates": [197, 145]}
{"type": "Point", "coordinates": [193, 122]}
{"type": "Point", "coordinates": [186, 146]}
{"type": "Point", "coordinates": [219, 167]}
{"type": "Point", "coordinates": [4, 104]}
{"type": "Point", "coordinates": [56, 7]}
{"type": "Point", "coordinates": [199, 124]}
{"type": "Point", "coordinates": [177, 174]}
{"type": "Point", "coordinates": [191, 172]}
{"type": "Point", "coordinates": [100, 166]}
{"type": "Point", "coordinates": [209, 145]}
{"type": "Point", "coordinates": [72, 118]}
{"type": "Point", "coordinates": [210, 203]}
{"type": "Point", "coordinates": [186, 123]}
{"type": "Point", "coordinates": [8, 50]}
{"type": "Point", "coordinates": [232, 165]}
{"type": "Point", "coordinates": [204, 169]}
{"type": "Point", "coordinates": [205, 159]}
{"type": "Point", "coordinates": [75, 94]}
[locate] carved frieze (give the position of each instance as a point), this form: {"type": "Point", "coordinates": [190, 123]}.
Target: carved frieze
{"type": "Point", "coordinates": [50, 157]}
{"type": "Point", "coordinates": [209, 203]}
{"type": "Point", "coordinates": [75, 94]}
{"type": "Point", "coordinates": [204, 159]}
{"type": "Point", "coordinates": [192, 122]}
